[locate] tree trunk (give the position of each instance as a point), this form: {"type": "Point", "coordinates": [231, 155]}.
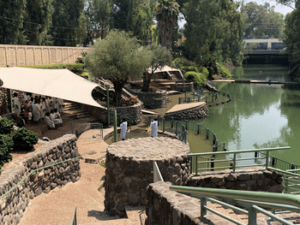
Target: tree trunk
{"type": "Point", "coordinates": [118, 93]}
{"type": "Point", "coordinates": [146, 82]}
{"type": "Point", "coordinates": [103, 29]}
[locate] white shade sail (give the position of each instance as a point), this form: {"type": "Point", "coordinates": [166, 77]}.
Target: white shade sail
{"type": "Point", "coordinates": [59, 83]}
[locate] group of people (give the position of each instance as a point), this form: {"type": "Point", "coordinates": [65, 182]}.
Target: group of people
{"type": "Point", "coordinates": [35, 108]}
{"type": "Point", "coordinates": [153, 126]}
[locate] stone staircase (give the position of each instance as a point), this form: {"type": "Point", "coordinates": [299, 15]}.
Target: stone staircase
{"type": "Point", "coordinates": [75, 110]}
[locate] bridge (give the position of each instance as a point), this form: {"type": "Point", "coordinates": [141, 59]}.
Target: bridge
{"type": "Point", "coordinates": [265, 51]}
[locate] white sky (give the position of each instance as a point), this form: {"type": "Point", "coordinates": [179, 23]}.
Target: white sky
{"type": "Point", "coordinates": [278, 8]}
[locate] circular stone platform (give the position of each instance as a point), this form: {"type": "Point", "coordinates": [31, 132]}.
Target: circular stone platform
{"type": "Point", "coordinates": [129, 166]}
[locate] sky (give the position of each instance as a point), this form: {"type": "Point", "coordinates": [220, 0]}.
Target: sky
{"type": "Point", "coordinates": [278, 7]}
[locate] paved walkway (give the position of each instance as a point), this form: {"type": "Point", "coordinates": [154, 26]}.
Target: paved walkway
{"type": "Point", "coordinates": [181, 107]}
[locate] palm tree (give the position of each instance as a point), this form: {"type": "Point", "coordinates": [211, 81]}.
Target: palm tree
{"type": "Point", "coordinates": [167, 12]}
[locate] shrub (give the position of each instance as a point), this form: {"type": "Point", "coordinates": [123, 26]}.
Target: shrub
{"type": "Point", "coordinates": [199, 79]}
{"type": "Point", "coordinates": [24, 138]}
{"type": "Point", "coordinates": [9, 141]}
{"type": "Point", "coordinates": [152, 89]}
{"type": "Point", "coordinates": [6, 125]}
{"type": "Point", "coordinates": [5, 148]}
{"type": "Point", "coordinates": [224, 72]}
{"type": "Point", "coordinates": [180, 62]}
{"type": "Point", "coordinates": [190, 68]}
{"type": "Point", "coordinates": [74, 67]}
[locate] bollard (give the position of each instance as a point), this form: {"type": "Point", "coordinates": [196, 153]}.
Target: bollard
{"type": "Point", "coordinates": [164, 125]}
{"type": "Point", "coordinates": [198, 128]}
{"type": "Point", "coordinates": [172, 122]}
{"type": "Point", "coordinates": [186, 124]}
{"type": "Point", "coordinates": [207, 133]}
{"type": "Point", "coordinates": [212, 164]}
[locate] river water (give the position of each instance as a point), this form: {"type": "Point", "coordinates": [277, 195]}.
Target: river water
{"type": "Point", "coordinates": [259, 115]}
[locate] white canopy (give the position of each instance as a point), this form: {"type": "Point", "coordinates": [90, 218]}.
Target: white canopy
{"type": "Point", "coordinates": [59, 83]}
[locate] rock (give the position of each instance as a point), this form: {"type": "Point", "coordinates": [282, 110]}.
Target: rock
{"type": "Point", "coordinates": [249, 183]}
{"type": "Point", "coordinates": [243, 177]}
{"type": "Point", "coordinates": [277, 188]}
{"type": "Point", "coordinates": [231, 177]}
{"type": "Point", "coordinates": [216, 179]}
{"type": "Point", "coordinates": [133, 199]}
{"type": "Point", "coordinates": [120, 206]}
{"type": "Point", "coordinates": [267, 174]}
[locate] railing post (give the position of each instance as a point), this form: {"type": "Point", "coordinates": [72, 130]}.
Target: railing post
{"type": "Point", "coordinates": [207, 133]}
{"type": "Point", "coordinates": [176, 124]}
{"type": "Point", "coordinates": [198, 129]}
{"type": "Point", "coordinates": [273, 161]}
{"type": "Point", "coordinates": [252, 216]}
{"type": "Point", "coordinates": [185, 137]}
{"type": "Point", "coordinates": [196, 165]}
{"type": "Point", "coordinates": [180, 137]}
{"type": "Point", "coordinates": [107, 96]}
{"type": "Point", "coordinates": [286, 184]}
{"type": "Point", "coordinates": [172, 122]}
{"type": "Point", "coordinates": [267, 159]}
{"type": "Point", "coordinates": [212, 164]}
{"type": "Point", "coordinates": [191, 164]}
{"type": "Point", "coordinates": [234, 162]}
{"type": "Point", "coordinates": [186, 124]}
{"type": "Point", "coordinates": [115, 126]}
{"type": "Point", "coordinates": [224, 147]}
{"type": "Point", "coordinates": [203, 210]}
{"type": "Point", "coordinates": [164, 125]}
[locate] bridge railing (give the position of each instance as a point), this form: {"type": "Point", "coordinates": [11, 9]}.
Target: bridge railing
{"type": "Point", "coordinates": [239, 200]}
{"type": "Point", "coordinates": [199, 162]}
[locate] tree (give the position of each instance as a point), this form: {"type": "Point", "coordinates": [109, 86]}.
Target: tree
{"type": "Point", "coordinates": [11, 22]}
{"type": "Point", "coordinates": [118, 58]}
{"type": "Point", "coordinates": [167, 12]}
{"type": "Point", "coordinates": [69, 27]}
{"type": "Point", "coordinates": [262, 20]}
{"type": "Point", "coordinates": [39, 14]}
{"type": "Point", "coordinates": [160, 57]}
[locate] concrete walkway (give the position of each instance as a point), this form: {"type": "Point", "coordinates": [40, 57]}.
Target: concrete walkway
{"type": "Point", "coordinates": [181, 107]}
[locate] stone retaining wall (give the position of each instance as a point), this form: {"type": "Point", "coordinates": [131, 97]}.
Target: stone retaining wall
{"type": "Point", "coordinates": [151, 100]}
{"type": "Point", "coordinates": [250, 179]}
{"type": "Point", "coordinates": [132, 113]}
{"type": "Point", "coordinates": [200, 111]}
{"type": "Point", "coordinates": [170, 207]}
{"type": "Point", "coordinates": [64, 148]}
{"type": "Point", "coordinates": [180, 87]}
{"type": "Point", "coordinates": [129, 166]}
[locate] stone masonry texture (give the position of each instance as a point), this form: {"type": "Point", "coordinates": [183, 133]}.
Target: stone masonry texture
{"type": "Point", "coordinates": [129, 166]}
{"type": "Point", "coordinates": [13, 206]}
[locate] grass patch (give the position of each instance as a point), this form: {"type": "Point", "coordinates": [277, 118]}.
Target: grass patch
{"type": "Point", "coordinates": [102, 164]}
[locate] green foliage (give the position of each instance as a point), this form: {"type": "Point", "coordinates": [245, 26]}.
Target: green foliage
{"type": "Point", "coordinates": [154, 34]}
{"type": "Point", "coordinates": [5, 149]}
{"type": "Point", "coordinates": [118, 58]}
{"type": "Point", "coordinates": [24, 138]}
{"type": "Point", "coordinates": [198, 78]}
{"type": "Point", "coordinates": [190, 68]}
{"type": "Point", "coordinates": [73, 67]}
{"type": "Point", "coordinates": [180, 62]}
{"type": "Point", "coordinates": [6, 125]}
{"type": "Point", "coordinates": [223, 71]}
{"type": "Point", "coordinates": [9, 142]}
{"type": "Point", "coordinates": [214, 28]}
{"type": "Point", "coordinates": [262, 20]}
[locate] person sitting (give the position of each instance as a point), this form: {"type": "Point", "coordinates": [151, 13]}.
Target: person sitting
{"type": "Point", "coordinates": [20, 122]}
{"type": "Point", "coordinates": [48, 121]}
{"type": "Point", "coordinates": [57, 115]}
{"type": "Point", "coordinates": [53, 118]}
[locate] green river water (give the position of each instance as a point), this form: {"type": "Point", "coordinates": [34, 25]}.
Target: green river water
{"type": "Point", "coordinates": [259, 115]}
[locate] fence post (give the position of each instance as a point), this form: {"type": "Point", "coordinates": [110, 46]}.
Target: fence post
{"type": "Point", "coordinates": [196, 165]}
{"type": "Point", "coordinates": [252, 216]}
{"type": "Point", "coordinates": [207, 133]}
{"type": "Point", "coordinates": [115, 126]}
{"type": "Point", "coordinates": [267, 159]}
{"type": "Point", "coordinates": [234, 162]}
{"type": "Point", "coordinates": [172, 122]}
{"type": "Point", "coordinates": [273, 162]}
{"type": "Point", "coordinates": [198, 128]}
{"type": "Point", "coordinates": [180, 137]}
{"type": "Point", "coordinates": [212, 164]}
{"type": "Point", "coordinates": [176, 124]}
{"type": "Point", "coordinates": [164, 124]}
{"type": "Point", "coordinates": [186, 124]}
{"type": "Point", "coordinates": [224, 147]}
{"type": "Point", "coordinates": [203, 210]}
{"type": "Point", "coordinates": [107, 96]}
{"type": "Point", "coordinates": [191, 164]}
{"type": "Point", "coordinates": [185, 137]}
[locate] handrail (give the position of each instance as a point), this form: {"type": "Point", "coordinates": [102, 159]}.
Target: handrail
{"type": "Point", "coordinates": [244, 195]}
{"type": "Point", "coordinates": [284, 172]}
{"type": "Point", "coordinates": [240, 151]}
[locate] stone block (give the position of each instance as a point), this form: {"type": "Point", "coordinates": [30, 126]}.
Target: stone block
{"type": "Point", "coordinates": [243, 177]}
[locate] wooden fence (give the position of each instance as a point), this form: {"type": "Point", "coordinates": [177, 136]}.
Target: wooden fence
{"type": "Point", "coordinates": [29, 55]}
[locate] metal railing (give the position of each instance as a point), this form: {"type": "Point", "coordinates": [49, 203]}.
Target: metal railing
{"type": "Point", "coordinates": [221, 164]}
{"type": "Point", "coordinates": [252, 201]}
{"type": "Point", "coordinates": [291, 180]}
{"type": "Point", "coordinates": [73, 220]}
{"type": "Point", "coordinates": [156, 173]}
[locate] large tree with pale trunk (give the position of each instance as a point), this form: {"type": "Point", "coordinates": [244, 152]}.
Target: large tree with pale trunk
{"type": "Point", "coordinates": [118, 58]}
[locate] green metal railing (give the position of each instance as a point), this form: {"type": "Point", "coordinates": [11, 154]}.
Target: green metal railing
{"type": "Point", "coordinates": [252, 201]}
{"type": "Point", "coordinates": [291, 180]}
{"type": "Point", "coordinates": [73, 220]}
{"type": "Point", "coordinates": [201, 165]}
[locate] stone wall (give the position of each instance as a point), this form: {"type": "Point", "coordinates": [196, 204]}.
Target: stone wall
{"type": "Point", "coordinates": [64, 148]}
{"type": "Point", "coordinates": [200, 111]}
{"type": "Point", "coordinates": [132, 113]}
{"type": "Point", "coordinates": [170, 207]}
{"type": "Point", "coordinates": [250, 179]}
{"type": "Point", "coordinates": [151, 100]}
{"type": "Point", "coordinates": [4, 99]}
{"type": "Point", "coordinates": [129, 166]}
{"type": "Point", "coordinates": [188, 86]}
